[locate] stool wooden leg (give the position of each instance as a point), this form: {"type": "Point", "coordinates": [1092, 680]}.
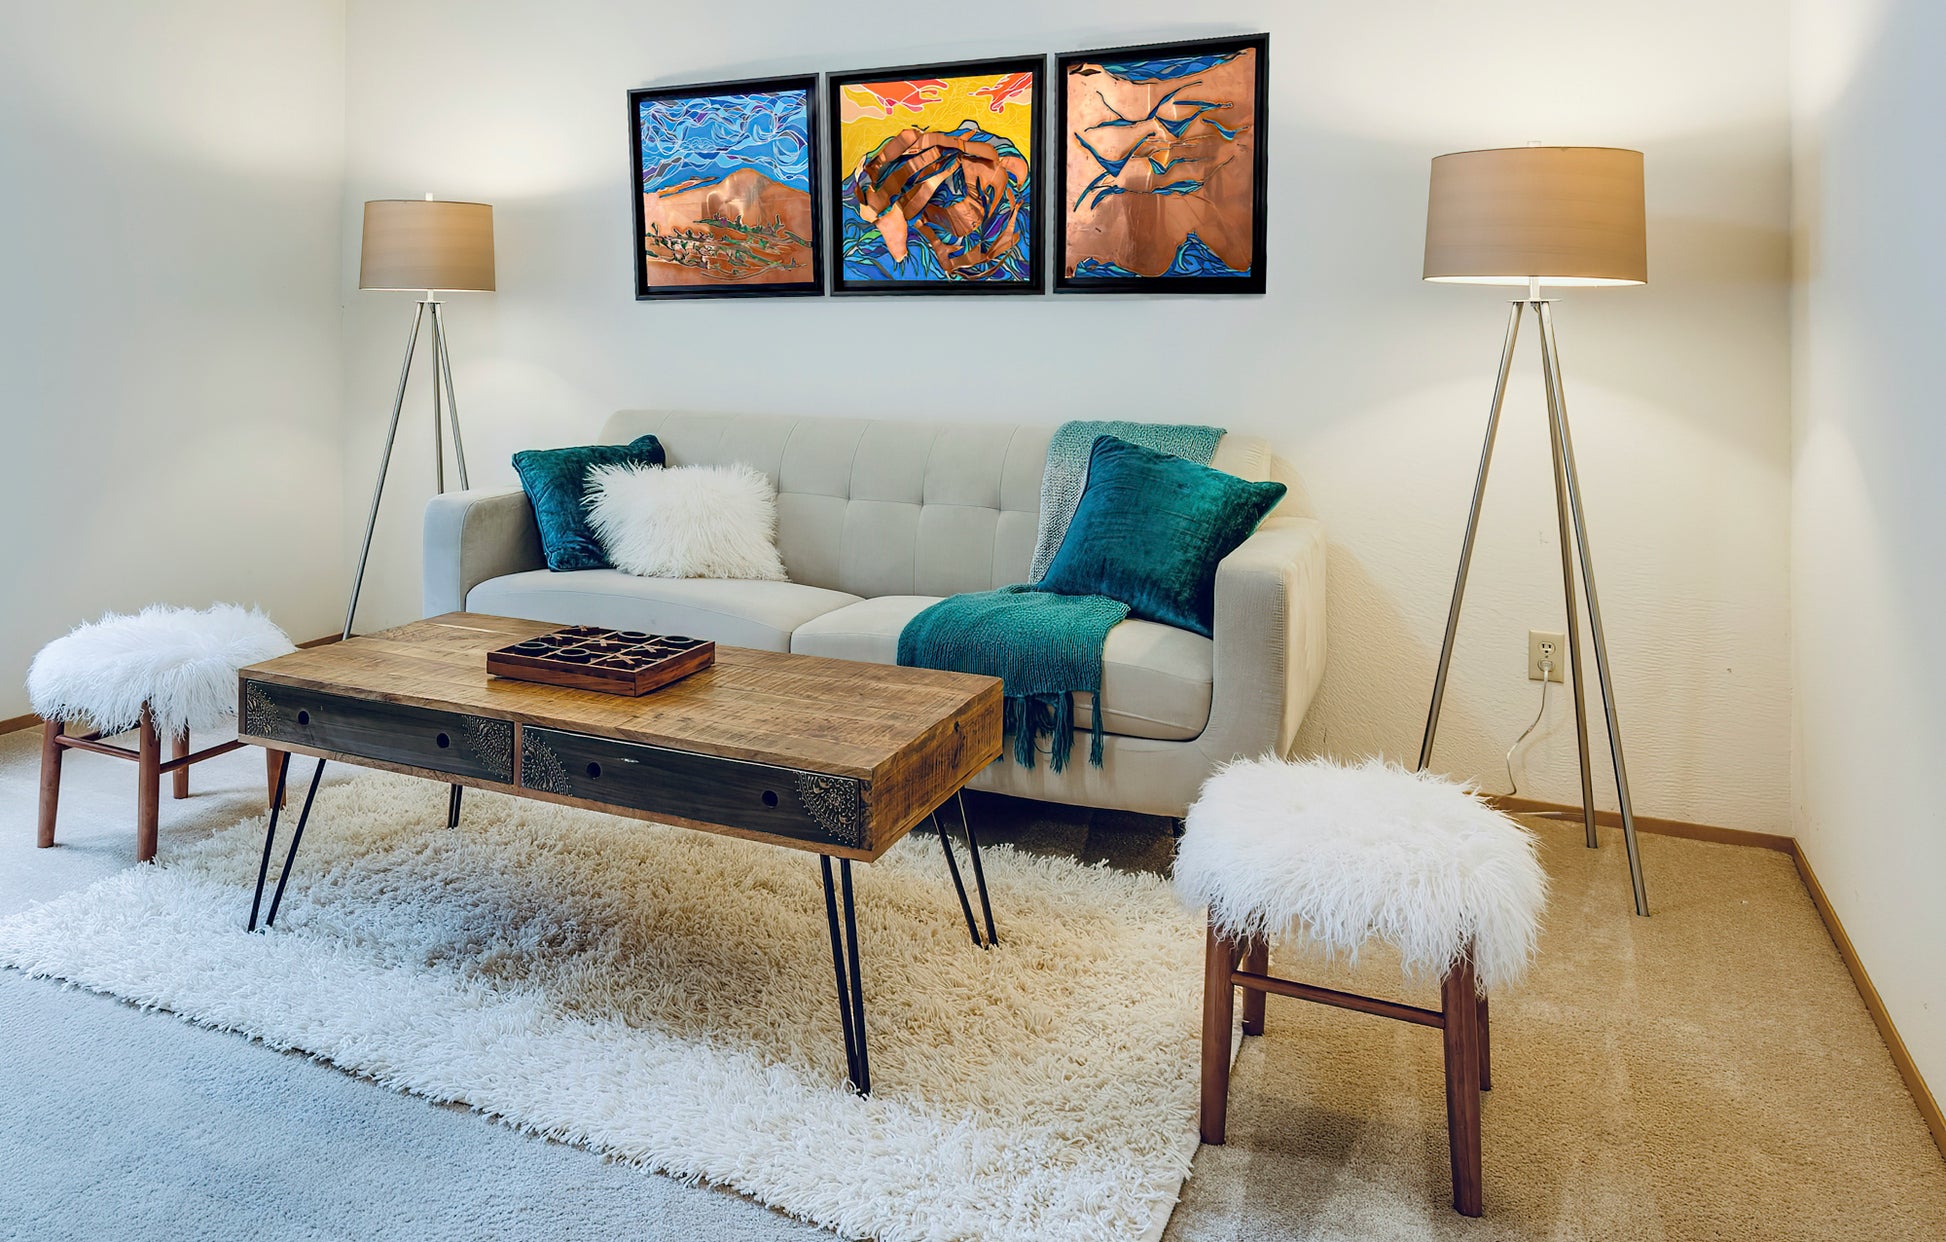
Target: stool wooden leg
{"type": "Point", "coordinates": [148, 786]}
{"type": "Point", "coordinates": [273, 767]}
{"type": "Point", "coordinates": [1486, 1048]}
{"type": "Point", "coordinates": [50, 780]}
{"type": "Point", "coordinates": [1256, 960]}
{"type": "Point", "coordinates": [1461, 1033]}
{"type": "Point", "coordinates": [1219, 1010]}
{"type": "Point", "coordinates": [178, 749]}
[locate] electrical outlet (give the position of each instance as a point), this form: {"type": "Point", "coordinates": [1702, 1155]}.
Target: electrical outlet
{"type": "Point", "coordinates": [1542, 645]}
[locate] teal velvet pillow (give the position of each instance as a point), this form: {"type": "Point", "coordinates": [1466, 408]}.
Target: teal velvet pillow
{"type": "Point", "coordinates": [555, 480]}
{"type": "Point", "coordinates": [1150, 529]}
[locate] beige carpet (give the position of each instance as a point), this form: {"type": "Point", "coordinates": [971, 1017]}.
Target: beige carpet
{"type": "Point", "coordinates": [1707, 1073]}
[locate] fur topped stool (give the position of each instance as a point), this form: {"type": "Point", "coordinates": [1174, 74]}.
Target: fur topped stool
{"type": "Point", "coordinates": [162, 673]}
{"type": "Point", "coordinates": [1327, 856]}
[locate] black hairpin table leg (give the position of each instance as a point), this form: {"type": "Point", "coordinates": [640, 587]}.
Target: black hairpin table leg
{"type": "Point", "coordinates": [452, 806]}
{"type": "Point", "coordinates": [297, 837]}
{"type": "Point", "coordinates": [844, 963]}
{"type": "Point", "coordinates": [979, 876]}
{"type": "Point", "coordinates": [959, 885]}
{"type": "Point", "coordinates": [979, 873]}
{"type": "Point", "coordinates": [270, 838]}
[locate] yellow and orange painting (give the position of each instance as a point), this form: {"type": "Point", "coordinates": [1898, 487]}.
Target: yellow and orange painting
{"type": "Point", "coordinates": [937, 177]}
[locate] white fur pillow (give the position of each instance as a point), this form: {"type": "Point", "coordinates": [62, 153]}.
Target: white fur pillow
{"type": "Point", "coordinates": [685, 521]}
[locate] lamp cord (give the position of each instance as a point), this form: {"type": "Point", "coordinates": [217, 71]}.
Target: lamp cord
{"type": "Point", "coordinates": [1547, 667]}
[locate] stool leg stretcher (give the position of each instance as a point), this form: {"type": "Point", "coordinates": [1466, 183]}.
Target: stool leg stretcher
{"type": "Point", "coordinates": [1461, 1020]}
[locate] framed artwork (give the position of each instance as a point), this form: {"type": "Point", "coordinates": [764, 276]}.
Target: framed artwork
{"type": "Point", "coordinates": [1162, 167]}
{"type": "Point", "coordinates": [936, 177]}
{"type": "Point", "coordinates": [725, 189]}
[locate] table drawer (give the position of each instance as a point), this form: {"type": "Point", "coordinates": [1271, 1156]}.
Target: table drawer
{"type": "Point", "coordinates": [418, 737]}
{"type": "Point", "coordinates": [807, 806]}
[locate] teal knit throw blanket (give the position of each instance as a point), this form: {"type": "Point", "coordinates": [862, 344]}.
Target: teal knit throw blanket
{"type": "Point", "coordinates": [1043, 647]}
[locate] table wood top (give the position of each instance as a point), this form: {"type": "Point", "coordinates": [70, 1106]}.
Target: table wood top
{"type": "Point", "coordinates": [838, 716]}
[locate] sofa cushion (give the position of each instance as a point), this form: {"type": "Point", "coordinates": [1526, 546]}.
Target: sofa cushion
{"type": "Point", "coordinates": [891, 507]}
{"type": "Point", "coordinates": [555, 481]}
{"type": "Point", "coordinates": [736, 612]}
{"type": "Point", "coordinates": [1150, 531]}
{"type": "Point", "coordinates": [1155, 678]}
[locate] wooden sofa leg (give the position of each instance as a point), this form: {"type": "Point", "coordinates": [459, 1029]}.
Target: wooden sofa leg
{"type": "Point", "coordinates": [1486, 1048]}
{"type": "Point", "coordinates": [1256, 960]}
{"type": "Point", "coordinates": [1461, 1035]}
{"type": "Point", "coordinates": [148, 786]}
{"type": "Point", "coordinates": [1219, 1009]}
{"type": "Point", "coordinates": [50, 780]}
{"type": "Point", "coordinates": [179, 779]}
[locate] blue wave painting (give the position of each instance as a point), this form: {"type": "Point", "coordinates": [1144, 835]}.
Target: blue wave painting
{"type": "Point", "coordinates": [1163, 68]}
{"type": "Point", "coordinates": [1193, 258]}
{"type": "Point", "coordinates": [1167, 149]}
{"type": "Point", "coordinates": [706, 138]}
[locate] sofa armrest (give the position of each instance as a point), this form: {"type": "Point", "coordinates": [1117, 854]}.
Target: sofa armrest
{"type": "Point", "coordinates": [1269, 635]}
{"type": "Point", "coordinates": [472, 536]}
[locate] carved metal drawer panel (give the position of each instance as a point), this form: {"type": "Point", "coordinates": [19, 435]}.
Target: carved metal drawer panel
{"type": "Point", "coordinates": [367, 729]}
{"type": "Point", "coordinates": [808, 806]}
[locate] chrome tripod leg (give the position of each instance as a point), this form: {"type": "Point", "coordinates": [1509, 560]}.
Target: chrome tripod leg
{"type": "Point", "coordinates": [384, 463]}
{"type": "Point", "coordinates": [438, 411]}
{"type": "Point", "coordinates": [1472, 529]}
{"type": "Point", "coordinates": [452, 398]}
{"type": "Point", "coordinates": [1551, 362]}
{"type": "Point", "coordinates": [1574, 628]}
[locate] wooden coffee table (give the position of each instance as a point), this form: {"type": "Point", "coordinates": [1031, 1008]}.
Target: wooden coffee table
{"type": "Point", "coordinates": [836, 758]}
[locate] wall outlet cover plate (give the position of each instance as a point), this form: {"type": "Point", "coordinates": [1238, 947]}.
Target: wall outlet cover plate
{"type": "Point", "coordinates": [1546, 645]}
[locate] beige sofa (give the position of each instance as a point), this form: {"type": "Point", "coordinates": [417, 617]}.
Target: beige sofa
{"type": "Point", "coordinates": [877, 519]}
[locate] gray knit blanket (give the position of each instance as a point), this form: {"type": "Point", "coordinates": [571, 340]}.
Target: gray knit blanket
{"type": "Point", "coordinates": [1067, 469]}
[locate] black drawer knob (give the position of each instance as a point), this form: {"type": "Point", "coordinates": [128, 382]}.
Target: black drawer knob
{"type": "Point", "coordinates": [303, 718]}
{"type": "Point", "coordinates": [770, 797]}
{"type": "Point", "coordinates": [594, 770]}
{"type": "Point", "coordinates": [442, 741]}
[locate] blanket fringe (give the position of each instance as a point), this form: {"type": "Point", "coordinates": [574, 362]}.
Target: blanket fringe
{"type": "Point", "coordinates": [1031, 717]}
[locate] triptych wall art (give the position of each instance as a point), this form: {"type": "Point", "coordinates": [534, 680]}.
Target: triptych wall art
{"type": "Point", "coordinates": [936, 177]}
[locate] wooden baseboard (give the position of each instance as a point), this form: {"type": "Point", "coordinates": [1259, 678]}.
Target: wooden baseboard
{"type": "Point", "coordinates": [14, 724]}
{"type": "Point", "coordinates": [1661, 827]}
{"type": "Point", "coordinates": [1875, 1005]}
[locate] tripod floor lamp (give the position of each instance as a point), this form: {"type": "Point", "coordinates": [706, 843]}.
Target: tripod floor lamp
{"type": "Point", "coordinates": [422, 245]}
{"type": "Point", "coordinates": [1534, 216]}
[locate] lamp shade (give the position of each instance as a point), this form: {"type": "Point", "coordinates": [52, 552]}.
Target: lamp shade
{"type": "Point", "coordinates": [427, 244]}
{"type": "Point", "coordinates": [1560, 215]}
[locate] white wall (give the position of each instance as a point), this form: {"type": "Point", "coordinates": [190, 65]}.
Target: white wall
{"type": "Point", "coordinates": [1374, 384]}
{"type": "Point", "coordinates": [1868, 512]}
{"type": "Point", "coordinates": [170, 178]}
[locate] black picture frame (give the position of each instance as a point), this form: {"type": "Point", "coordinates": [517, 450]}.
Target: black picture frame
{"type": "Point", "coordinates": [1034, 282]}
{"type": "Point", "coordinates": [813, 285]}
{"type": "Point", "coordinates": [1252, 283]}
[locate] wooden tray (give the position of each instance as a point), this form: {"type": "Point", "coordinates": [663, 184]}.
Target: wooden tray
{"type": "Point", "coordinates": [587, 657]}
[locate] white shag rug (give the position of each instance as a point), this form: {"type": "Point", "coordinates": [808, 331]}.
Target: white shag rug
{"type": "Point", "coordinates": [665, 997]}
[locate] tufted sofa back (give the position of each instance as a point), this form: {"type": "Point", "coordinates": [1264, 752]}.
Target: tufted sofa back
{"type": "Point", "coordinates": [884, 507]}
